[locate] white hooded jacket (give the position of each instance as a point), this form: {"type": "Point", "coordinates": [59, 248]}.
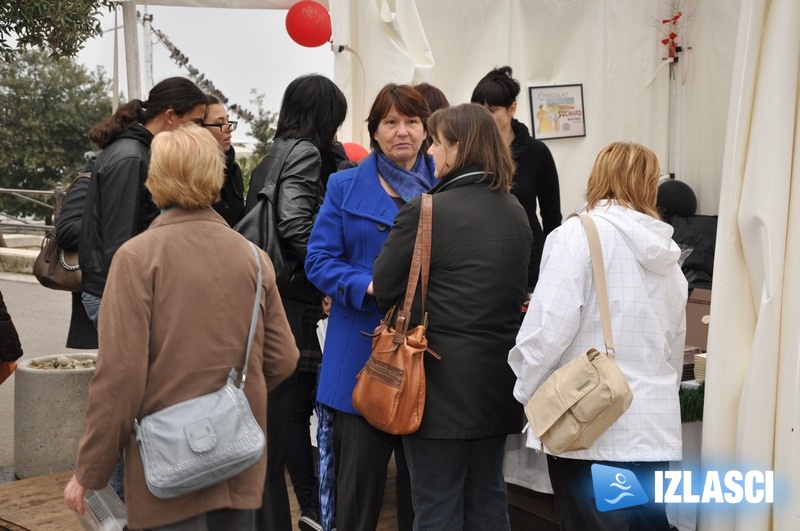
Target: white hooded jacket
{"type": "Point", "coordinates": [647, 298]}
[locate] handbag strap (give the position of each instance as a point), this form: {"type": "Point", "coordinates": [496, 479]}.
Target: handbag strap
{"type": "Point", "coordinates": [421, 261]}
{"type": "Point", "coordinates": [254, 319]}
{"type": "Point", "coordinates": [599, 273]}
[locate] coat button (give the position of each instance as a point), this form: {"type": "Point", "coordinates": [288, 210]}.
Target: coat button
{"type": "Point", "coordinates": [382, 227]}
{"type": "Point", "coordinates": [340, 289]}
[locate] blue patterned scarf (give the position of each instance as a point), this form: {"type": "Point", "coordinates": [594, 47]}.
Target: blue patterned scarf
{"type": "Point", "coordinates": [407, 183]}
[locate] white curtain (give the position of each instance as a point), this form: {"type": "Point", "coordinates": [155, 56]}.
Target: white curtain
{"type": "Point", "coordinates": [753, 372]}
{"type": "Point", "coordinates": [612, 47]}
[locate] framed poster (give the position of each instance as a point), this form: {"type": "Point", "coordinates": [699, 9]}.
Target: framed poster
{"type": "Point", "coordinates": [557, 111]}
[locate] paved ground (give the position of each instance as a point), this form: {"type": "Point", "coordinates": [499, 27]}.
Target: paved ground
{"type": "Point", "coordinates": [41, 317]}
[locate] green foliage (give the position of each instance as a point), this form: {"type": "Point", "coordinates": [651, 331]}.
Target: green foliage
{"type": "Point", "coordinates": [262, 128]}
{"type": "Point", "coordinates": [47, 107]}
{"type": "Point", "coordinates": [692, 401]}
{"type": "Point", "coordinates": [58, 26]}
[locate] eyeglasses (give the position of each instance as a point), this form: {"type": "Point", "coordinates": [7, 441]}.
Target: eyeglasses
{"type": "Point", "coordinates": [226, 127]}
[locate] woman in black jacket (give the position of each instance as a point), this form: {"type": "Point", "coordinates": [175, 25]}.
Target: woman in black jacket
{"type": "Point", "coordinates": [535, 179]}
{"type": "Point", "coordinates": [82, 332]}
{"type": "Point", "coordinates": [480, 248]}
{"type": "Point", "coordinates": [231, 198]}
{"type": "Point", "coordinates": [311, 112]}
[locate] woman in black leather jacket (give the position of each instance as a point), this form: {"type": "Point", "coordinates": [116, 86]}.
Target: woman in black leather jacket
{"type": "Point", "coordinates": [312, 110]}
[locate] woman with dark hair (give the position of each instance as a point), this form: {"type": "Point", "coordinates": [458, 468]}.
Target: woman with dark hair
{"type": "Point", "coordinates": [359, 209]}
{"type": "Point", "coordinates": [436, 100]}
{"type": "Point", "coordinates": [535, 179]}
{"type": "Point", "coordinates": [231, 198]}
{"type": "Point", "coordinates": [117, 206]}
{"type": "Point", "coordinates": [292, 176]}
{"type": "Point", "coordinates": [82, 331]}
{"type": "Point", "coordinates": [480, 248]}
{"type": "Point", "coordinates": [433, 95]}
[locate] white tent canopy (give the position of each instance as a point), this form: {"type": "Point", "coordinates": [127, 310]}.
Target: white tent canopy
{"type": "Point", "coordinates": [734, 105]}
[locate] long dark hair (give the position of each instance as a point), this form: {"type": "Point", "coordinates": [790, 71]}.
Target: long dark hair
{"type": "Point", "coordinates": [496, 89]}
{"type": "Point", "coordinates": [176, 93]}
{"type": "Point", "coordinates": [313, 107]}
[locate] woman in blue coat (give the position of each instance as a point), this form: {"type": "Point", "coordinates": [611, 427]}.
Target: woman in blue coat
{"type": "Point", "coordinates": [355, 218]}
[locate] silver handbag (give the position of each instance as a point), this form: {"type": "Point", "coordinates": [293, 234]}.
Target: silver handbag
{"type": "Point", "coordinates": [205, 440]}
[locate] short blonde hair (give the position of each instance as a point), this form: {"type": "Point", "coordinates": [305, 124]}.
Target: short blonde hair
{"type": "Point", "coordinates": [187, 168]}
{"type": "Point", "coordinates": [628, 173]}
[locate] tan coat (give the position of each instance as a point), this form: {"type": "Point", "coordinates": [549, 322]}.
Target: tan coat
{"type": "Point", "coordinates": [173, 321]}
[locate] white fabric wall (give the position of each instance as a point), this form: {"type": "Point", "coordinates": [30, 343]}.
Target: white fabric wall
{"type": "Point", "coordinates": [753, 373]}
{"type": "Point", "coordinates": [612, 47]}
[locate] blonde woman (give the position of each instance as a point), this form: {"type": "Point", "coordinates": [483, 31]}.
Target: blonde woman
{"type": "Point", "coordinates": [647, 296]}
{"type": "Point", "coordinates": [170, 331]}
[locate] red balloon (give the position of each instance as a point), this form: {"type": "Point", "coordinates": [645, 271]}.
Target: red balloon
{"type": "Point", "coordinates": [355, 152]}
{"type": "Point", "coordinates": [308, 24]}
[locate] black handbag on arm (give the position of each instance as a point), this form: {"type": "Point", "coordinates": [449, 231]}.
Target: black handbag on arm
{"type": "Point", "coordinates": [260, 226]}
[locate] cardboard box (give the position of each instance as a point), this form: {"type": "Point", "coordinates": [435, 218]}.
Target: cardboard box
{"type": "Point", "coordinates": [698, 311]}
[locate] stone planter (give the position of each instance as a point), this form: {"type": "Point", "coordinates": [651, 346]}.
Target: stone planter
{"type": "Point", "coordinates": [49, 406]}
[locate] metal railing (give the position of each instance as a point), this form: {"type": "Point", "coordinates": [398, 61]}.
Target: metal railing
{"type": "Point", "coordinates": [20, 225]}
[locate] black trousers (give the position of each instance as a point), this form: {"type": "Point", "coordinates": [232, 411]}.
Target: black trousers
{"type": "Point", "coordinates": [300, 455]}
{"type": "Point", "coordinates": [219, 520]}
{"type": "Point", "coordinates": [275, 514]}
{"type": "Point", "coordinates": [361, 476]}
{"type": "Point", "coordinates": [574, 497]}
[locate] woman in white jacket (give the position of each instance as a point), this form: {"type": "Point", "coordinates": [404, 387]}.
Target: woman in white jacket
{"type": "Point", "coordinates": [647, 298]}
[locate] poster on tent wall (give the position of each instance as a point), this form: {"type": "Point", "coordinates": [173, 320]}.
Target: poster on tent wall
{"type": "Point", "coordinates": [557, 111]}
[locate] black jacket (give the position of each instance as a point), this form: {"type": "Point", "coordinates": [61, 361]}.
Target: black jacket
{"type": "Point", "coordinates": [10, 347]}
{"type": "Point", "coordinates": [118, 206]}
{"type": "Point", "coordinates": [480, 250]}
{"type": "Point", "coordinates": [536, 179]}
{"type": "Point", "coordinates": [231, 198]}
{"type": "Point", "coordinates": [82, 332]}
{"type": "Point", "coordinates": [299, 194]}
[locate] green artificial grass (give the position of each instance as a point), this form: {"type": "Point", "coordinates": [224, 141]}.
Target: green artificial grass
{"type": "Point", "coordinates": [692, 403]}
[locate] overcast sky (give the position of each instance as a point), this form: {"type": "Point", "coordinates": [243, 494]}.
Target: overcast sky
{"type": "Point", "coordinates": [239, 50]}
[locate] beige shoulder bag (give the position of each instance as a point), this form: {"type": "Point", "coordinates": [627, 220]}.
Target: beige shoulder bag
{"type": "Point", "coordinates": [578, 402]}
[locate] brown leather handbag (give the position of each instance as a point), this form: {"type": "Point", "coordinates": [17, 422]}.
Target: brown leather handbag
{"type": "Point", "coordinates": [56, 268]}
{"type": "Point", "coordinates": [390, 392]}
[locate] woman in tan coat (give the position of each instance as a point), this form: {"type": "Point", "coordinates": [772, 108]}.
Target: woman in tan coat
{"type": "Point", "coordinates": [174, 320]}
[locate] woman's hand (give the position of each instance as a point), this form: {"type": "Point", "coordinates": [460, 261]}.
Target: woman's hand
{"type": "Point", "coordinates": [73, 495]}
{"type": "Point", "coordinates": [326, 305]}
{"type": "Point", "coordinates": [370, 290]}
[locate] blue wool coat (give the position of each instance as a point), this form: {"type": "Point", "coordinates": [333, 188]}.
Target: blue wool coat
{"type": "Point", "coordinates": [348, 235]}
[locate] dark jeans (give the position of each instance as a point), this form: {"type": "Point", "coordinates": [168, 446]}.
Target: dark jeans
{"type": "Point", "coordinates": [300, 455]}
{"type": "Point", "coordinates": [574, 497]}
{"type": "Point", "coordinates": [364, 454]}
{"type": "Point", "coordinates": [458, 484]}
{"type": "Point", "coordinates": [219, 520]}
{"type": "Point", "coordinates": [275, 514]}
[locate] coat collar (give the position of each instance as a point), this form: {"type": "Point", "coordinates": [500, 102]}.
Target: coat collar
{"type": "Point", "coordinates": [180, 215]}
{"type": "Point", "coordinates": [366, 197]}
{"type": "Point", "coordinates": [463, 177]}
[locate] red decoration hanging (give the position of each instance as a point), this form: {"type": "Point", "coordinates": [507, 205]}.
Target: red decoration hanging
{"type": "Point", "coordinates": [308, 24]}
{"type": "Point", "coordinates": [355, 152]}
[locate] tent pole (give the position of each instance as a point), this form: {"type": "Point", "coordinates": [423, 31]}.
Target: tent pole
{"type": "Point", "coordinates": [131, 49]}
